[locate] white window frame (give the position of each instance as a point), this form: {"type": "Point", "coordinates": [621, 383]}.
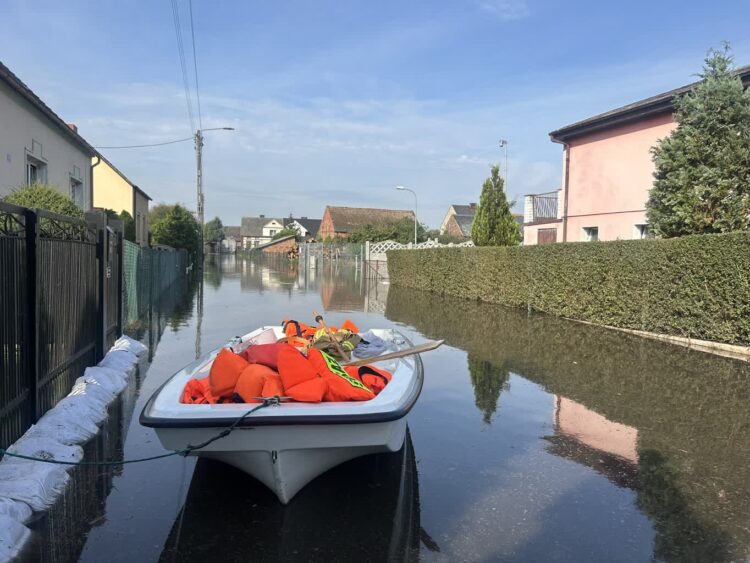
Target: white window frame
{"type": "Point", "coordinates": [591, 234]}
{"type": "Point", "coordinates": [76, 192]}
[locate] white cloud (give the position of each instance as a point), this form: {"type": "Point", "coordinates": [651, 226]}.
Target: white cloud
{"type": "Point", "coordinates": [506, 10]}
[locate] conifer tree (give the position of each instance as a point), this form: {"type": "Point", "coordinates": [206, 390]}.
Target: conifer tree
{"type": "Point", "coordinates": [494, 224]}
{"type": "Point", "coordinates": [702, 177]}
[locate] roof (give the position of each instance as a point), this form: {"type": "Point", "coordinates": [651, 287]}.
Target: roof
{"type": "Point", "coordinates": [232, 232]}
{"type": "Point", "coordinates": [25, 92]}
{"type": "Point", "coordinates": [312, 225]}
{"type": "Point", "coordinates": [113, 167]}
{"type": "Point", "coordinates": [655, 105]}
{"type": "Point", "coordinates": [470, 209]}
{"type": "Point", "coordinates": [346, 219]}
{"type": "Point", "coordinates": [253, 226]}
{"type": "Point", "coordinates": [464, 223]}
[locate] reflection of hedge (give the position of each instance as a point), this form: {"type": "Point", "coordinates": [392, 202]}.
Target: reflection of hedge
{"type": "Point", "coordinates": [690, 408]}
{"type": "Point", "coordinates": [697, 286]}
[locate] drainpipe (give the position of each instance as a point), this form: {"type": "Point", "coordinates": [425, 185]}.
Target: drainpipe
{"type": "Point", "coordinates": [566, 178]}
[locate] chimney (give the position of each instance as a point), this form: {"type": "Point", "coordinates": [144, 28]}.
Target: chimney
{"type": "Point", "coordinates": [472, 205]}
{"type": "Point", "coordinates": [73, 126]}
{"type": "Point", "coordinates": [262, 216]}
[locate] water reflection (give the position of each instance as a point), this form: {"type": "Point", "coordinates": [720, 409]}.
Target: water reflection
{"type": "Point", "coordinates": [365, 510]}
{"type": "Point", "coordinates": [488, 381]}
{"type": "Point", "coordinates": [60, 533]}
{"type": "Point", "coordinates": [671, 424]}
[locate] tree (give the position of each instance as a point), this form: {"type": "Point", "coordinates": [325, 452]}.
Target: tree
{"type": "Point", "coordinates": [42, 196]}
{"type": "Point", "coordinates": [213, 231]}
{"type": "Point", "coordinates": [285, 232]}
{"type": "Point", "coordinates": [494, 224]}
{"type": "Point", "coordinates": [176, 227]}
{"type": "Point", "coordinates": [702, 176]}
{"type": "Point", "coordinates": [128, 225]}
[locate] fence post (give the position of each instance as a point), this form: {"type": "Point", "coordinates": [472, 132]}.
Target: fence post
{"type": "Point", "coordinates": [120, 276]}
{"type": "Point", "coordinates": [32, 304]}
{"type": "Point", "coordinates": [97, 219]}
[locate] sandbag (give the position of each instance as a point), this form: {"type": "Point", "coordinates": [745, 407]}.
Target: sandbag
{"type": "Point", "coordinates": [83, 406]}
{"type": "Point", "coordinates": [127, 344]}
{"type": "Point", "coordinates": [67, 429]}
{"type": "Point", "coordinates": [35, 483]}
{"type": "Point", "coordinates": [114, 382]}
{"type": "Point", "coordinates": [15, 509]}
{"type": "Point", "coordinates": [33, 444]}
{"type": "Point", "coordinates": [13, 537]}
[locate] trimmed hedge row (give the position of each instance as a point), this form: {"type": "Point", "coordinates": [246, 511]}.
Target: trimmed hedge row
{"type": "Point", "coordinates": [694, 286]}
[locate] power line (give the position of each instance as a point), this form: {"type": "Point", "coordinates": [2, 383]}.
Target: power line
{"type": "Point", "coordinates": [149, 145]}
{"type": "Point", "coordinates": [195, 66]}
{"type": "Point", "coordinates": [183, 66]}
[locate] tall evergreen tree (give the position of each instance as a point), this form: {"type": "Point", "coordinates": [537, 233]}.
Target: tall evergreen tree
{"type": "Point", "coordinates": [702, 177]}
{"type": "Point", "coordinates": [494, 224]}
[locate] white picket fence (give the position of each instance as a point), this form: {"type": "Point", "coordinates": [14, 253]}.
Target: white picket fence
{"type": "Point", "coordinates": [377, 250]}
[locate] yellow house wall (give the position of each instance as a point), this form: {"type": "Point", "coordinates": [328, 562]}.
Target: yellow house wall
{"type": "Point", "coordinates": [111, 191]}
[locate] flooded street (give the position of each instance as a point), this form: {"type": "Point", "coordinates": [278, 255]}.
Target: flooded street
{"type": "Point", "coordinates": [535, 439]}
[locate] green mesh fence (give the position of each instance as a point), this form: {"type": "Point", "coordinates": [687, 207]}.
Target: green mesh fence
{"type": "Point", "coordinates": [147, 273]}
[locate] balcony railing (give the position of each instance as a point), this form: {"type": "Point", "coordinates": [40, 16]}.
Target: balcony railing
{"type": "Point", "coordinates": [540, 207]}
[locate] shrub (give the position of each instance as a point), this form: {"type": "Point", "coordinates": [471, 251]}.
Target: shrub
{"type": "Point", "coordinates": [694, 286]}
{"type": "Point", "coordinates": [42, 196]}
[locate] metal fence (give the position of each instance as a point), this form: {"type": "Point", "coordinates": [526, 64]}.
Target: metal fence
{"type": "Point", "coordinates": [60, 289]}
{"type": "Point", "coordinates": [331, 250]}
{"type": "Point", "coordinates": [148, 273]}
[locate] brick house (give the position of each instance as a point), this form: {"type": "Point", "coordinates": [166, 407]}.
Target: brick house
{"type": "Point", "coordinates": [340, 222]}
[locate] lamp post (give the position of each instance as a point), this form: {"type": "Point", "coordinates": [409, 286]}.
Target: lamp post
{"type": "Point", "coordinates": [402, 188]}
{"type": "Point", "coordinates": [199, 179]}
{"type": "Point", "coordinates": [504, 146]}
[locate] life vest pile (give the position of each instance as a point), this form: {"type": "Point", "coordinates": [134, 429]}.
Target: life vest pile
{"type": "Point", "coordinates": [267, 370]}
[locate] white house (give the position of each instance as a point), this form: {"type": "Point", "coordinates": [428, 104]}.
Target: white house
{"type": "Point", "coordinates": [37, 146]}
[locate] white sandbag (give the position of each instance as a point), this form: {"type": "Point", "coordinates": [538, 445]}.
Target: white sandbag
{"type": "Point", "coordinates": [46, 447]}
{"type": "Point", "coordinates": [66, 428]}
{"type": "Point", "coordinates": [111, 381]}
{"type": "Point", "coordinates": [127, 343]}
{"type": "Point", "coordinates": [83, 406]}
{"type": "Point", "coordinates": [15, 509]}
{"type": "Point", "coordinates": [36, 483]}
{"type": "Point", "coordinates": [120, 360]}
{"type": "Point", "coordinates": [93, 391]}
{"type": "Point", "coordinates": [13, 537]}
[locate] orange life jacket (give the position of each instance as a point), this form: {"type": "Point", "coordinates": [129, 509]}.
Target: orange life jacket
{"type": "Point", "coordinates": [257, 380]}
{"type": "Point", "coordinates": [375, 379]}
{"type": "Point", "coordinates": [341, 385]}
{"type": "Point", "coordinates": [198, 392]}
{"type": "Point", "coordinates": [225, 371]}
{"type": "Point", "coordinates": [299, 377]}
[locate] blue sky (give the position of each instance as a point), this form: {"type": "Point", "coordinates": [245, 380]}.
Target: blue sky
{"type": "Point", "coordinates": [338, 102]}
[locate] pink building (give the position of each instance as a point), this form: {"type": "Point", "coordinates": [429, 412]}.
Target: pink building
{"type": "Point", "coordinates": [607, 174]}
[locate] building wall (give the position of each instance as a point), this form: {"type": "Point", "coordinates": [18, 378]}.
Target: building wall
{"type": "Point", "coordinates": [611, 174]}
{"type": "Point", "coordinates": [142, 226]}
{"type": "Point", "coordinates": [111, 191]}
{"type": "Point", "coordinates": [282, 247]}
{"type": "Point", "coordinates": [452, 228]}
{"type": "Point", "coordinates": [20, 124]}
{"type": "Point", "coordinates": [327, 229]}
{"type": "Point", "coordinates": [531, 232]}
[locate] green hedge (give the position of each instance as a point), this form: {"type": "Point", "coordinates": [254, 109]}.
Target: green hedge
{"type": "Point", "coordinates": [695, 286]}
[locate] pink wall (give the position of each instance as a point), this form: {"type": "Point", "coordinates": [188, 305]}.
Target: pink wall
{"type": "Point", "coordinates": [610, 175]}
{"type": "Point", "coordinates": [530, 232]}
{"type": "Point", "coordinates": [590, 428]}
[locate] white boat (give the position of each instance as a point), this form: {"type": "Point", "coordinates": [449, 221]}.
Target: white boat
{"type": "Point", "coordinates": [286, 446]}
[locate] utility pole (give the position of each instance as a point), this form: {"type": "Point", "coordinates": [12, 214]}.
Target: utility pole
{"type": "Point", "coordinates": [199, 182]}
{"type": "Point", "coordinates": [199, 185]}
{"type": "Point", "coordinates": [402, 188]}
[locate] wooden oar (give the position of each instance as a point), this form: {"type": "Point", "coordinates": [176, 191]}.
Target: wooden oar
{"type": "Point", "coordinates": [426, 347]}
{"type": "Point", "coordinates": [336, 343]}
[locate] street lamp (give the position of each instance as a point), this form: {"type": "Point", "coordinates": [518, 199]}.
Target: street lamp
{"type": "Point", "coordinates": [402, 188]}
{"type": "Point", "coordinates": [199, 177]}
{"type": "Point", "coordinates": [504, 146]}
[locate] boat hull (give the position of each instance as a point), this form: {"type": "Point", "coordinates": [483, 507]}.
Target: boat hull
{"type": "Point", "coordinates": [286, 458]}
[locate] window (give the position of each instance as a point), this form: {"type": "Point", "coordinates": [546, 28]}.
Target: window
{"type": "Point", "coordinates": [271, 232]}
{"type": "Point", "coordinates": [36, 171]}
{"type": "Point", "coordinates": [642, 231]}
{"type": "Point", "coordinates": [138, 230]}
{"type": "Point", "coordinates": [591, 234]}
{"type": "Point", "coordinates": [76, 192]}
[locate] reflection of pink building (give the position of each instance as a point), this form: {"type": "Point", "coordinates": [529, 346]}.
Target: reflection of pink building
{"type": "Point", "coordinates": [592, 429]}
{"type": "Point", "coordinates": [607, 174]}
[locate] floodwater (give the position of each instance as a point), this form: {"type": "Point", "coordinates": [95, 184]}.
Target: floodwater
{"type": "Point", "coordinates": [535, 439]}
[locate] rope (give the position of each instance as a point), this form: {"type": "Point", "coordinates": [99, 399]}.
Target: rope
{"type": "Point", "coordinates": [267, 402]}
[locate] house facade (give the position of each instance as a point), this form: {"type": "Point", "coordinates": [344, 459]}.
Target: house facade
{"type": "Point", "coordinates": [37, 146]}
{"type": "Point", "coordinates": [458, 220]}
{"type": "Point", "coordinates": [340, 222]}
{"type": "Point", "coordinates": [256, 231]}
{"type": "Point", "coordinates": [113, 190]}
{"type": "Point", "coordinates": [607, 173]}
{"type": "Point", "coordinates": [232, 240]}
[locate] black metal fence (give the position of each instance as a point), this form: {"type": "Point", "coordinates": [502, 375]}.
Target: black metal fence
{"type": "Point", "coordinates": [60, 307]}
